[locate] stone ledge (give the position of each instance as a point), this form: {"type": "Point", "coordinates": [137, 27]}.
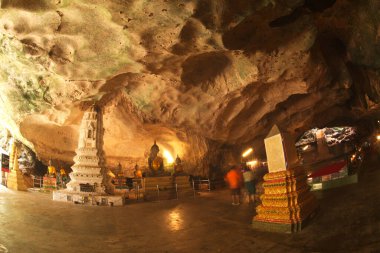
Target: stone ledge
{"type": "Point", "coordinates": [89, 199]}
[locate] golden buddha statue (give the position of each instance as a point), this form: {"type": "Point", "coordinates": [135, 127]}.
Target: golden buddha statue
{"type": "Point", "coordinates": [62, 171]}
{"type": "Point", "coordinates": [119, 171]}
{"type": "Point", "coordinates": [155, 162]}
{"type": "Point", "coordinates": [64, 178]}
{"type": "Point", "coordinates": [51, 170]}
{"type": "Point", "coordinates": [138, 172]}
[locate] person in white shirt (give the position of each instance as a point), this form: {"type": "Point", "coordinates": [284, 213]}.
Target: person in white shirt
{"type": "Point", "coordinates": [248, 177]}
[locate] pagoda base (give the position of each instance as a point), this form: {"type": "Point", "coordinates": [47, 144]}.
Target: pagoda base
{"type": "Point", "coordinates": [282, 227]}
{"type": "Point", "coordinates": [89, 198]}
{"type": "Point", "coordinates": [277, 227]}
{"type": "Point", "coordinates": [16, 181]}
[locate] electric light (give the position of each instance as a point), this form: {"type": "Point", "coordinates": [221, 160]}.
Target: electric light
{"type": "Point", "coordinates": [378, 137]}
{"type": "Point", "coordinates": [252, 163]}
{"type": "Point", "coordinates": [305, 148]}
{"type": "Point", "coordinates": [247, 152]}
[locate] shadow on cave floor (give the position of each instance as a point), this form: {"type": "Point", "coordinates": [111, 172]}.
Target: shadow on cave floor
{"type": "Point", "coordinates": [348, 221]}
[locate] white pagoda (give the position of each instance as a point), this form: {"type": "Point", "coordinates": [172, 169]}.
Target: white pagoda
{"type": "Point", "coordinates": [90, 181]}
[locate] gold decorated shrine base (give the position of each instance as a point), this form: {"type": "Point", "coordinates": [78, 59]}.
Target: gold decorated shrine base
{"type": "Point", "coordinates": [286, 200]}
{"type": "Point", "coordinates": [285, 188]}
{"type": "Point", "coordinates": [297, 211]}
{"type": "Point", "coordinates": [285, 174]}
{"type": "Point", "coordinates": [49, 183]}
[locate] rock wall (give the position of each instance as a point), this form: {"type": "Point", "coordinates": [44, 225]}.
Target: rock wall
{"type": "Point", "coordinates": [194, 75]}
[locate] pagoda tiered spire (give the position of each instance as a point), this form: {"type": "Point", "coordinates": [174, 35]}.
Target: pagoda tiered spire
{"type": "Point", "coordinates": [89, 172]}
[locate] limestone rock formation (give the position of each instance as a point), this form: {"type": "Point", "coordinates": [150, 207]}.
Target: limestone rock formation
{"type": "Point", "coordinates": [197, 76]}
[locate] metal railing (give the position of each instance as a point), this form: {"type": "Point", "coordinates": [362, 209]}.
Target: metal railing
{"type": "Point", "coordinates": [197, 184]}
{"type": "Point", "coordinates": [206, 185]}
{"type": "Point", "coordinates": [120, 183]}
{"type": "Point", "coordinates": [38, 182]}
{"type": "Point", "coordinates": [139, 186]}
{"type": "Point", "coordinates": [166, 188]}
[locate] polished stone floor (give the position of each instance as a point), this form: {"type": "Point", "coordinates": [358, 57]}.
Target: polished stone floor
{"type": "Point", "coordinates": [348, 221]}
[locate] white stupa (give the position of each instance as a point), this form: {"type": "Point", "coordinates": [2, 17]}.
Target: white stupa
{"type": "Point", "coordinates": [90, 181]}
{"type": "Point", "coordinates": [89, 172]}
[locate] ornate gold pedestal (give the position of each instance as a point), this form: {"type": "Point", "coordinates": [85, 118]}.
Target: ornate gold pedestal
{"type": "Point", "coordinates": [286, 203]}
{"type": "Point", "coordinates": [16, 179]}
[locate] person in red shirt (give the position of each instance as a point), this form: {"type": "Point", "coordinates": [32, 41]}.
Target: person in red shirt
{"type": "Point", "coordinates": [233, 178]}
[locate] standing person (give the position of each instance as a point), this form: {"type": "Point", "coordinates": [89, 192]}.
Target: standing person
{"type": "Point", "coordinates": [233, 179]}
{"type": "Point", "coordinates": [249, 183]}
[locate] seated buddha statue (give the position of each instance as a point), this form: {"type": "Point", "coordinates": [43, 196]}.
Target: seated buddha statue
{"type": "Point", "coordinates": [178, 166]}
{"type": "Point", "coordinates": [155, 162]}
{"type": "Point", "coordinates": [119, 171]}
{"type": "Point", "coordinates": [64, 177]}
{"type": "Point", "coordinates": [51, 170]}
{"type": "Point", "coordinates": [62, 171]}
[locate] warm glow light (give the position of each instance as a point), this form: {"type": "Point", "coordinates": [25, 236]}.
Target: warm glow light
{"type": "Point", "coordinates": [305, 148]}
{"type": "Point", "coordinates": [252, 163]}
{"type": "Point", "coordinates": [175, 220]}
{"type": "Point", "coordinates": [247, 152]}
{"type": "Point", "coordinates": [169, 158]}
{"type": "Point", "coordinates": [378, 137]}
{"type": "Point", "coordinates": [111, 174]}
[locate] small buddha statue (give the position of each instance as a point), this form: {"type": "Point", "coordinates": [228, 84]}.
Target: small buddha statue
{"type": "Point", "coordinates": [178, 165]}
{"type": "Point", "coordinates": [137, 172]}
{"type": "Point", "coordinates": [51, 170]}
{"type": "Point", "coordinates": [119, 171]}
{"type": "Point", "coordinates": [64, 177]}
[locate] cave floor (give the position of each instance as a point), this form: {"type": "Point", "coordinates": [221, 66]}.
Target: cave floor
{"type": "Point", "coordinates": [348, 221]}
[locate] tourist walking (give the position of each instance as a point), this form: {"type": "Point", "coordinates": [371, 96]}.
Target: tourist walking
{"type": "Point", "coordinates": [248, 177]}
{"type": "Point", "coordinates": [233, 178]}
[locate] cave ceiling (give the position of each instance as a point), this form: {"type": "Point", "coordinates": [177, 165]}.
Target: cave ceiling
{"type": "Point", "coordinates": [190, 74]}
